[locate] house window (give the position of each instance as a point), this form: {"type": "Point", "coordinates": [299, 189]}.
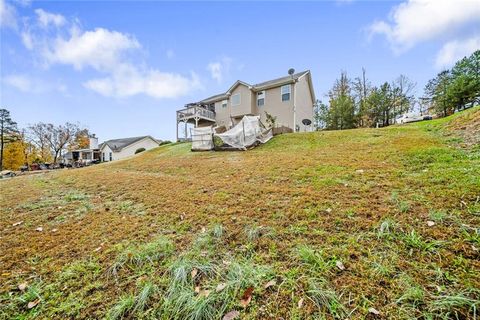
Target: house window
{"type": "Point", "coordinates": [224, 103]}
{"type": "Point", "coordinates": [260, 98]}
{"type": "Point", "coordinates": [103, 156]}
{"type": "Point", "coordinates": [286, 92]}
{"type": "Point", "coordinates": [235, 99]}
{"type": "Point", "coordinates": [110, 156]}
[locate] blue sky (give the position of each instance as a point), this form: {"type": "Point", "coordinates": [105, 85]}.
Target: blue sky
{"type": "Point", "coordinates": [123, 68]}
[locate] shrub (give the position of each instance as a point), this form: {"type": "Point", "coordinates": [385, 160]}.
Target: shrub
{"type": "Point", "coordinates": [139, 150]}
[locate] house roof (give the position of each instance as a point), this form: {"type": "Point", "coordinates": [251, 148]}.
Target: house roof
{"type": "Point", "coordinates": [118, 144]}
{"type": "Point", "coordinates": [280, 81]}
{"type": "Point", "coordinates": [259, 86]}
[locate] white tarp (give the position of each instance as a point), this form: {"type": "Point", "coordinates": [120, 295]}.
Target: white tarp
{"type": "Point", "coordinates": [202, 138]}
{"type": "Point", "coordinates": [246, 133]}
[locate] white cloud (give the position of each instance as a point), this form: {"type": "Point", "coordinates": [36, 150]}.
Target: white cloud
{"type": "Point", "coordinates": [8, 15]}
{"type": "Point", "coordinates": [455, 50]}
{"type": "Point", "coordinates": [128, 80]}
{"type": "Point", "coordinates": [219, 69]}
{"type": "Point", "coordinates": [101, 49]}
{"type": "Point", "coordinates": [29, 84]}
{"type": "Point", "coordinates": [46, 18]}
{"type": "Point", "coordinates": [416, 21]}
{"type": "Point", "coordinates": [115, 56]}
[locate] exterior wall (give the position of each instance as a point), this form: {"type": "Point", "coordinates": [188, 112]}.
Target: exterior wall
{"type": "Point", "coordinates": [304, 103]}
{"type": "Point", "coordinates": [222, 115]}
{"type": "Point", "coordinates": [105, 153]}
{"type": "Point", "coordinates": [245, 106]}
{"type": "Point", "coordinates": [128, 151]}
{"type": "Point", "coordinates": [274, 105]}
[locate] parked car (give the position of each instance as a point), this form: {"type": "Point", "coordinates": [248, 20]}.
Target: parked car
{"type": "Point", "coordinates": [409, 117]}
{"type": "Point", "coordinates": [7, 174]}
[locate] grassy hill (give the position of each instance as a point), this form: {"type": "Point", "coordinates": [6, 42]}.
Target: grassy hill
{"type": "Point", "coordinates": [327, 225]}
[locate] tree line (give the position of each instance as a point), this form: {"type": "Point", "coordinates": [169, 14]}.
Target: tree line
{"type": "Point", "coordinates": [38, 143]}
{"type": "Point", "coordinates": [355, 103]}
{"type": "Point", "coordinates": [456, 88]}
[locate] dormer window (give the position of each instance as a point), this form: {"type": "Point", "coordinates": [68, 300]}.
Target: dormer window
{"type": "Point", "coordinates": [235, 99]}
{"type": "Point", "coordinates": [261, 98]}
{"type": "Point", "coordinates": [286, 92]}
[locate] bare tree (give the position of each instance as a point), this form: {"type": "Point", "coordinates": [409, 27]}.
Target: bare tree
{"type": "Point", "coordinates": [56, 138]}
{"type": "Point", "coordinates": [38, 133]}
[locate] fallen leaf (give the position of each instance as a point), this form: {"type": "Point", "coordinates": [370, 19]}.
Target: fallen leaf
{"type": "Point", "coordinates": [204, 293]}
{"type": "Point", "coordinates": [39, 229]}
{"type": "Point", "coordinates": [182, 216]}
{"type": "Point", "coordinates": [374, 311]}
{"type": "Point", "coordinates": [226, 262]}
{"type": "Point", "coordinates": [329, 210]}
{"type": "Point", "coordinates": [22, 286]}
{"type": "Point", "coordinates": [220, 287]}
{"type": "Point", "coordinates": [97, 249]}
{"type": "Point", "coordinates": [430, 223]}
{"type": "Point", "coordinates": [204, 230]}
{"type": "Point", "coordinates": [54, 230]}
{"type": "Point", "coordinates": [231, 315]}
{"type": "Point", "coordinates": [17, 223]}
{"type": "Point", "coordinates": [194, 273]}
{"type": "Point", "coordinates": [340, 265]}
{"type": "Point", "coordinates": [270, 283]}
{"type": "Point", "coordinates": [300, 303]}
{"type": "Point", "coordinates": [360, 171]}
{"type": "Point", "coordinates": [246, 297]}
{"type": "Point", "coordinates": [33, 304]}
{"type": "Point", "coordinates": [197, 289]}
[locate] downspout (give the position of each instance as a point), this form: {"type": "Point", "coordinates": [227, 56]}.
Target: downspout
{"type": "Point", "coordinates": [294, 106]}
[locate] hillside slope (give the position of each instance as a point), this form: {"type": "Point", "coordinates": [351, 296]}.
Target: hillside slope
{"type": "Point", "coordinates": [328, 224]}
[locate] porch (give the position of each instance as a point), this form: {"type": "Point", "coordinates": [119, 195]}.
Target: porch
{"type": "Point", "coordinates": [198, 115]}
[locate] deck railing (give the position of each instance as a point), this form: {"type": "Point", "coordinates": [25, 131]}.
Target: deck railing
{"type": "Point", "coordinates": [195, 111]}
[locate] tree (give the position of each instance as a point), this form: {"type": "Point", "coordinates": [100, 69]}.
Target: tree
{"type": "Point", "coordinates": [456, 88]}
{"type": "Point", "coordinates": [81, 140]}
{"type": "Point", "coordinates": [403, 97]}
{"type": "Point", "coordinates": [14, 155]}
{"type": "Point", "coordinates": [38, 133]}
{"type": "Point", "coordinates": [436, 90]}
{"type": "Point", "coordinates": [55, 138]}
{"type": "Point", "coordinates": [8, 130]}
{"type": "Point", "coordinates": [320, 114]}
{"type": "Point", "coordinates": [362, 88]}
{"type": "Point", "coordinates": [342, 106]}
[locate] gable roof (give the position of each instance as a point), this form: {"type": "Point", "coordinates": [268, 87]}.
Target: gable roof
{"type": "Point", "coordinates": [280, 81]}
{"type": "Point", "coordinates": [118, 144]}
{"type": "Point", "coordinates": [260, 86]}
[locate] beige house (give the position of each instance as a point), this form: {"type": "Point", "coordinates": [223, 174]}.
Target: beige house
{"type": "Point", "coordinates": [290, 99]}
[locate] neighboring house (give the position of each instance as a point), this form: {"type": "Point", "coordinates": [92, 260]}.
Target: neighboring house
{"type": "Point", "coordinates": [110, 150]}
{"type": "Point", "coordinates": [290, 99]}
{"type": "Point", "coordinates": [121, 148]}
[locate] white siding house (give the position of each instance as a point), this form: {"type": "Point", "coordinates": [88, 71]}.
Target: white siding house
{"type": "Point", "coordinates": [121, 148]}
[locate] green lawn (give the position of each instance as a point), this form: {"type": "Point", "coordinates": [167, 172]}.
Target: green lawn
{"type": "Point", "coordinates": [339, 224]}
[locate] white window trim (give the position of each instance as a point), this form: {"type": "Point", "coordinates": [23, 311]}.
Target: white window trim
{"type": "Point", "coordinates": [289, 86]}
{"type": "Point", "coordinates": [239, 99]}
{"type": "Point", "coordinates": [224, 103]}
{"type": "Point", "coordinates": [262, 97]}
